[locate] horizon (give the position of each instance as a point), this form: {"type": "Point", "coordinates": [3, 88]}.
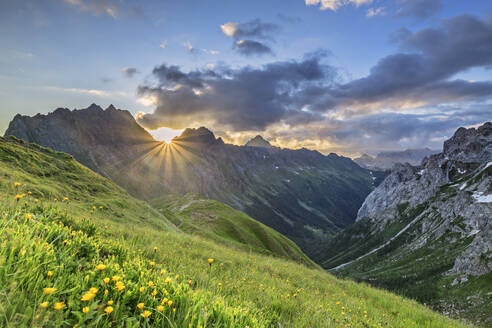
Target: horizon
{"type": "Point", "coordinates": [403, 75]}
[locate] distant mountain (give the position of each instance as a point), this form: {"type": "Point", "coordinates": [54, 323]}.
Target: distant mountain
{"type": "Point", "coordinates": [301, 193]}
{"type": "Point", "coordinates": [258, 141]}
{"type": "Point", "coordinates": [385, 160]}
{"type": "Point", "coordinates": [426, 231]}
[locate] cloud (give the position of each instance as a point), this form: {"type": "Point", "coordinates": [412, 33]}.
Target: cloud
{"type": "Point", "coordinates": [190, 47]}
{"type": "Point", "coordinates": [242, 99]}
{"type": "Point", "coordinates": [371, 12]}
{"type": "Point", "coordinates": [289, 19]}
{"type": "Point", "coordinates": [335, 4]}
{"type": "Point", "coordinates": [91, 92]}
{"type": "Point", "coordinates": [422, 73]}
{"type": "Point", "coordinates": [255, 29]}
{"type": "Point", "coordinates": [420, 9]}
{"type": "Point", "coordinates": [129, 71]}
{"type": "Point", "coordinates": [249, 38]}
{"type": "Point", "coordinates": [163, 44]}
{"type": "Point", "coordinates": [412, 97]}
{"type": "Point", "coordinates": [250, 48]}
{"type": "Point", "coordinates": [113, 8]}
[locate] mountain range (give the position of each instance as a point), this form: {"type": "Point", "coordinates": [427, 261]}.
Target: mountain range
{"type": "Point", "coordinates": [302, 194]}
{"type": "Point", "coordinates": [387, 159]}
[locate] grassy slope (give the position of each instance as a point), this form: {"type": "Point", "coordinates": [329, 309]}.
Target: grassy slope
{"type": "Point", "coordinates": [223, 224]}
{"type": "Point", "coordinates": [60, 243]}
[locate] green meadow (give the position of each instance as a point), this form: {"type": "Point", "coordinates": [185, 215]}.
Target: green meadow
{"type": "Point", "coordinates": [77, 250]}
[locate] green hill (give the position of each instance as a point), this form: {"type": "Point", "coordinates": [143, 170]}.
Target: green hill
{"type": "Point", "coordinates": [126, 265]}
{"type": "Point", "coordinates": [223, 224]}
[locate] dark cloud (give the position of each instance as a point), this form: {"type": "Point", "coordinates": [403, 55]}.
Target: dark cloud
{"type": "Point", "coordinates": [423, 71]}
{"type": "Point", "coordinates": [249, 38]}
{"type": "Point", "coordinates": [420, 9]}
{"type": "Point", "coordinates": [129, 71]}
{"type": "Point", "coordinates": [242, 99]}
{"type": "Point", "coordinates": [250, 48]}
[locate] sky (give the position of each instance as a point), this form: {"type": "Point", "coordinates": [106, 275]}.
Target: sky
{"type": "Point", "coordinates": [344, 76]}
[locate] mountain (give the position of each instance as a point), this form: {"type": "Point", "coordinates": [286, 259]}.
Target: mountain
{"type": "Point", "coordinates": [302, 194]}
{"type": "Point", "coordinates": [426, 230]}
{"type": "Point", "coordinates": [385, 160]}
{"type": "Point", "coordinates": [78, 250]}
{"type": "Point", "coordinates": [258, 141]}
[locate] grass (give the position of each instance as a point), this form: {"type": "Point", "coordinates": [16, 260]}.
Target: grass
{"type": "Point", "coordinates": [221, 223]}
{"type": "Point", "coordinates": [60, 244]}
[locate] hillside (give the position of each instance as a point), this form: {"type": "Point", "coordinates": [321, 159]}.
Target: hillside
{"type": "Point", "coordinates": [302, 194]}
{"type": "Point", "coordinates": [426, 231]}
{"type": "Point", "coordinates": [221, 223]}
{"type": "Point", "coordinates": [125, 264]}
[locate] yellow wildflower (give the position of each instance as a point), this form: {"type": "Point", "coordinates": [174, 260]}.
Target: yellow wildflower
{"type": "Point", "coordinates": [155, 249]}
{"type": "Point", "coordinates": [168, 280]}
{"type": "Point", "coordinates": [59, 305]}
{"type": "Point", "coordinates": [108, 310]}
{"type": "Point", "coordinates": [106, 280]}
{"type": "Point", "coordinates": [49, 273]}
{"type": "Point", "coordinates": [17, 184]}
{"type": "Point", "coordinates": [189, 282]}
{"type": "Point", "coordinates": [152, 263]}
{"type": "Point", "coordinates": [151, 283]}
{"type": "Point", "coordinates": [44, 305]}
{"type": "Point", "coordinates": [177, 276]}
{"type": "Point", "coordinates": [146, 314]}
{"type": "Point", "coordinates": [85, 309]}
{"type": "Point", "coordinates": [120, 286]}
{"type": "Point", "coordinates": [140, 305]}
{"type": "Point", "coordinates": [93, 290]}
{"type": "Point", "coordinates": [106, 292]}
{"type": "Point", "coordinates": [49, 290]}
{"type": "Point", "coordinates": [170, 303]}
{"type": "Point", "coordinates": [174, 310]}
{"type": "Point", "coordinates": [110, 302]}
{"type": "Point", "coordinates": [100, 267]}
{"type": "Point", "coordinates": [210, 261]}
{"type": "Point", "coordinates": [116, 278]}
{"type": "Point", "coordinates": [154, 292]}
{"type": "Point", "coordinates": [87, 297]}
{"type": "Point", "coordinates": [220, 284]}
{"type": "Point", "coordinates": [163, 271]}
{"type": "Point", "coordinates": [160, 308]}
{"type": "Point", "coordinates": [28, 216]}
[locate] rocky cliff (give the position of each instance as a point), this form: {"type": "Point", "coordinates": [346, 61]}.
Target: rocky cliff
{"type": "Point", "coordinates": [426, 230]}
{"type": "Point", "coordinates": [303, 194]}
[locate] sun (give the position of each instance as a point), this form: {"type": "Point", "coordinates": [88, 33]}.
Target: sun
{"type": "Point", "coordinates": [165, 134]}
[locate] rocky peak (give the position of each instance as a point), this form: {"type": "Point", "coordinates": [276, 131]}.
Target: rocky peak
{"type": "Point", "coordinates": [470, 145]}
{"type": "Point", "coordinates": [258, 141]}
{"type": "Point", "coordinates": [200, 135]}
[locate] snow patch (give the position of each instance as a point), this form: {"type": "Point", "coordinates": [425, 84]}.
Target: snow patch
{"type": "Point", "coordinates": [463, 186]}
{"type": "Point", "coordinates": [481, 198]}
{"type": "Point", "coordinates": [421, 172]}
